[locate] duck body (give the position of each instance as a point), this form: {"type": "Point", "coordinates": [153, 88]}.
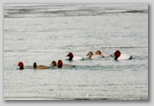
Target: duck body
{"type": "Point", "coordinates": [99, 53]}
{"type": "Point", "coordinates": [77, 58]}
{"type": "Point", "coordinates": [106, 55]}
{"type": "Point", "coordinates": [35, 66]}
{"type": "Point", "coordinates": [42, 67]}
{"type": "Point", "coordinates": [28, 67]}
{"type": "Point", "coordinates": [95, 57]}
{"type": "Point", "coordinates": [68, 66]}
{"type": "Point", "coordinates": [21, 66]}
{"type": "Point", "coordinates": [124, 57]}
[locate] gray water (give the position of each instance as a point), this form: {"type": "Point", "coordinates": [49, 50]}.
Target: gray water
{"type": "Point", "coordinates": [45, 32]}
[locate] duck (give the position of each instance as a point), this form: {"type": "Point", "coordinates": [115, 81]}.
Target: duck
{"type": "Point", "coordinates": [119, 56]}
{"type": "Point", "coordinates": [35, 66]}
{"type": "Point", "coordinates": [92, 56]}
{"type": "Point", "coordinates": [99, 53]}
{"type": "Point", "coordinates": [72, 57]}
{"type": "Point", "coordinates": [21, 66]}
{"type": "Point", "coordinates": [61, 65]}
{"type": "Point", "coordinates": [53, 64]}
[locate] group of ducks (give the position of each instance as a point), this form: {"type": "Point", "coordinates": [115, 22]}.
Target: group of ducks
{"type": "Point", "coordinates": [117, 56]}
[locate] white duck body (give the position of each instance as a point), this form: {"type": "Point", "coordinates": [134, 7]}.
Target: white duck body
{"type": "Point", "coordinates": [96, 56]}
{"type": "Point", "coordinates": [77, 58]}
{"type": "Point", "coordinates": [106, 55]}
{"type": "Point", "coordinates": [124, 57]}
{"type": "Point", "coordinates": [98, 52]}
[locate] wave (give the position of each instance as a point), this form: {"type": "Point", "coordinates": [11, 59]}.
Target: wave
{"type": "Point", "coordinates": [67, 10]}
{"type": "Point", "coordinates": [40, 51]}
{"type": "Point", "coordinates": [131, 47]}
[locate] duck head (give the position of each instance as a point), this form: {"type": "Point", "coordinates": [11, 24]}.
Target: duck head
{"type": "Point", "coordinates": [98, 52]}
{"type": "Point", "coordinates": [70, 55]}
{"type": "Point", "coordinates": [60, 63]}
{"type": "Point", "coordinates": [35, 65]}
{"type": "Point", "coordinates": [90, 54]}
{"type": "Point", "coordinates": [21, 65]}
{"type": "Point", "coordinates": [117, 54]}
{"type": "Point", "coordinates": [54, 63]}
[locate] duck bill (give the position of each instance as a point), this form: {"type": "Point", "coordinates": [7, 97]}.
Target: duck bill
{"type": "Point", "coordinates": [67, 55]}
{"type": "Point", "coordinates": [87, 54]}
{"type": "Point", "coordinates": [112, 55]}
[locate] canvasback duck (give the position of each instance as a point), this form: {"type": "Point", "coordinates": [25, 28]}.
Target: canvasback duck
{"type": "Point", "coordinates": [98, 52]}
{"type": "Point", "coordinates": [72, 57]}
{"type": "Point", "coordinates": [92, 56]}
{"type": "Point", "coordinates": [21, 66]}
{"type": "Point", "coordinates": [35, 66]}
{"type": "Point", "coordinates": [61, 65]}
{"type": "Point", "coordinates": [119, 56]}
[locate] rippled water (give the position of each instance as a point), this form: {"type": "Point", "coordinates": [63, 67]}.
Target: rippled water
{"type": "Point", "coordinates": [42, 33]}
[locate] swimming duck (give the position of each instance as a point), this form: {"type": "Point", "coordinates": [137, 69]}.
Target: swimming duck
{"type": "Point", "coordinates": [61, 65]}
{"type": "Point", "coordinates": [54, 64]}
{"type": "Point", "coordinates": [35, 66]}
{"type": "Point", "coordinates": [72, 57]}
{"type": "Point", "coordinates": [21, 66]}
{"type": "Point", "coordinates": [98, 52]}
{"type": "Point", "coordinates": [92, 56]}
{"type": "Point", "coordinates": [119, 56]}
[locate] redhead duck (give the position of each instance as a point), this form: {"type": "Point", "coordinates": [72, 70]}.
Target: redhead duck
{"type": "Point", "coordinates": [119, 56]}
{"type": "Point", "coordinates": [99, 53]}
{"type": "Point", "coordinates": [61, 65]}
{"type": "Point", "coordinates": [53, 63]}
{"type": "Point", "coordinates": [72, 57]}
{"type": "Point", "coordinates": [21, 66]}
{"type": "Point", "coordinates": [35, 66]}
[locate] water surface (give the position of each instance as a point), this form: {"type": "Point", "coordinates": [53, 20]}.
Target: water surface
{"type": "Point", "coordinates": [45, 32]}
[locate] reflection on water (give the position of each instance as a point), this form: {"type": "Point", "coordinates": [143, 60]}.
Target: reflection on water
{"type": "Point", "coordinates": [43, 33]}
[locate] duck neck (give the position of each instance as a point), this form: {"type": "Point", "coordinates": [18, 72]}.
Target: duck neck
{"type": "Point", "coordinates": [116, 58]}
{"type": "Point", "coordinates": [21, 68]}
{"type": "Point", "coordinates": [59, 66]}
{"type": "Point", "coordinates": [54, 65]}
{"type": "Point", "coordinates": [90, 56]}
{"type": "Point", "coordinates": [70, 58]}
{"type": "Point", "coordinates": [34, 65]}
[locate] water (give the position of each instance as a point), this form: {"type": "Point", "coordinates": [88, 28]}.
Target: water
{"type": "Point", "coordinates": [42, 33]}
